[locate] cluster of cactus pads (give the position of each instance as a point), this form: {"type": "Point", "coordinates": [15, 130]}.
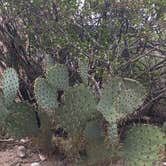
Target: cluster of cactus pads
{"type": "Point", "coordinates": [46, 89]}
{"type": "Point", "coordinates": [80, 114]}
{"type": "Point", "coordinates": [14, 116]}
{"type": "Point", "coordinates": [144, 145]}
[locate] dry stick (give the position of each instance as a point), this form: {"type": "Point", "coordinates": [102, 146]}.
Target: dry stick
{"type": "Point", "coordinates": [141, 111]}
{"type": "Point", "coordinates": [149, 104]}
{"type": "Point", "coordinates": [135, 59]}
{"type": "Point", "coordinates": [7, 140]}
{"type": "Point", "coordinates": [96, 86]}
{"type": "Point", "coordinates": [154, 99]}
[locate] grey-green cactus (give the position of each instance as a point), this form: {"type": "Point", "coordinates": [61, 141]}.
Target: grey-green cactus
{"type": "Point", "coordinates": [3, 110]}
{"type": "Point", "coordinates": [45, 95]}
{"type": "Point", "coordinates": [120, 97]}
{"type": "Point", "coordinates": [83, 70]}
{"type": "Point", "coordinates": [58, 77]}
{"type": "Point", "coordinates": [21, 121]}
{"type": "Point", "coordinates": [18, 119]}
{"type": "Point", "coordinates": [164, 127]}
{"type": "Point", "coordinates": [10, 83]}
{"type": "Point", "coordinates": [80, 105]}
{"type": "Point", "coordinates": [49, 61]}
{"type": "Point", "coordinates": [46, 89]}
{"type": "Point", "coordinates": [143, 145]}
{"type": "Point", "coordinates": [112, 133]}
{"type": "Point", "coordinates": [97, 148]}
{"type": "Point", "coordinates": [10, 86]}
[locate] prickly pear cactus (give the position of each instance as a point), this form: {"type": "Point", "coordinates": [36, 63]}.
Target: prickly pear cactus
{"type": "Point", "coordinates": [119, 98]}
{"type": "Point", "coordinates": [83, 69]}
{"type": "Point", "coordinates": [45, 95]}
{"type": "Point", "coordinates": [96, 148]}
{"type": "Point", "coordinates": [80, 105]}
{"type": "Point", "coordinates": [49, 61]}
{"type": "Point", "coordinates": [164, 127]}
{"type": "Point", "coordinates": [3, 110]}
{"type": "Point", "coordinates": [21, 121]}
{"type": "Point", "coordinates": [58, 77]}
{"type": "Point", "coordinates": [143, 145]}
{"type": "Point", "coordinates": [112, 133]}
{"type": "Point", "coordinates": [10, 83]}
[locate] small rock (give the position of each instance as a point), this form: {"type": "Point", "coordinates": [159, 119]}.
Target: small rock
{"type": "Point", "coordinates": [21, 151]}
{"type": "Point", "coordinates": [36, 164]}
{"type": "Point", "coordinates": [42, 157]}
{"type": "Point", "coordinates": [18, 164]}
{"type": "Point", "coordinates": [24, 140]}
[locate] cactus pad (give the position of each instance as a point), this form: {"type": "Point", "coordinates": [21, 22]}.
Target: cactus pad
{"type": "Point", "coordinates": [119, 98]}
{"type": "Point", "coordinates": [10, 83]}
{"type": "Point", "coordinates": [164, 127]}
{"type": "Point", "coordinates": [143, 145]}
{"type": "Point", "coordinates": [112, 132]}
{"type": "Point", "coordinates": [96, 147]}
{"type": "Point", "coordinates": [22, 121]}
{"type": "Point", "coordinates": [45, 95]}
{"type": "Point", "coordinates": [49, 61]}
{"type": "Point", "coordinates": [58, 77]}
{"type": "Point", "coordinates": [93, 131]}
{"type": "Point", "coordinates": [80, 105]}
{"type": "Point", "coordinates": [83, 69]}
{"type": "Point", "coordinates": [3, 110]}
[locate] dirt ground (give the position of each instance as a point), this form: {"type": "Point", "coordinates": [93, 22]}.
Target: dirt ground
{"type": "Point", "coordinates": [10, 155]}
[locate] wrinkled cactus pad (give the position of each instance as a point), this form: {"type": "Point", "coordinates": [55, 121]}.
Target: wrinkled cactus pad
{"type": "Point", "coordinates": [10, 83]}
{"type": "Point", "coordinates": [143, 145]}
{"type": "Point", "coordinates": [112, 133]}
{"type": "Point", "coordinates": [120, 97]}
{"type": "Point", "coordinates": [21, 121]}
{"type": "Point", "coordinates": [45, 95]}
{"type": "Point", "coordinates": [80, 105]}
{"type": "Point", "coordinates": [3, 110]}
{"type": "Point", "coordinates": [96, 146]}
{"type": "Point", "coordinates": [58, 77]}
{"type": "Point", "coordinates": [83, 70]}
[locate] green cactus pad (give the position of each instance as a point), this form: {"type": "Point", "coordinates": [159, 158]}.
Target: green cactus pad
{"type": "Point", "coordinates": [3, 110]}
{"type": "Point", "coordinates": [10, 83]}
{"type": "Point", "coordinates": [83, 69]}
{"type": "Point", "coordinates": [46, 96]}
{"type": "Point", "coordinates": [164, 127]}
{"type": "Point", "coordinates": [22, 121]}
{"type": "Point", "coordinates": [112, 132]}
{"type": "Point", "coordinates": [58, 77]}
{"type": "Point", "coordinates": [49, 61]}
{"type": "Point", "coordinates": [93, 131]}
{"type": "Point", "coordinates": [80, 105]}
{"type": "Point", "coordinates": [143, 145]}
{"type": "Point", "coordinates": [119, 98]}
{"type": "Point", "coordinates": [127, 102]}
{"type": "Point", "coordinates": [45, 120]}
{"type": "Point", "coordinates": [96, 147]}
